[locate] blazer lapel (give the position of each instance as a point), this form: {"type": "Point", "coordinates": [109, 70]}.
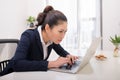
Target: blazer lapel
{"type": "Point", "coordinates": [39, 42]}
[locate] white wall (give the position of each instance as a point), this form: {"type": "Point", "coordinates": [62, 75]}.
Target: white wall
{"type": "Point", "coordinates": [35, 6]}
{"type": "Point", "coordinates": [111, 21]}
{"type": "Point", "coordinates": [13, 14]}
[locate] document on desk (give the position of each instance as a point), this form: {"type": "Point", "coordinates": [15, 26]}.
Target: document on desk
{"type": "Point", "coordinates": [81, 63]}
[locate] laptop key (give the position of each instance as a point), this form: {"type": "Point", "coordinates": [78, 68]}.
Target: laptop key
{"type": "Point", "coordinates": [69, 67]}
{"type": "Point", "coordinates": [76, 63]}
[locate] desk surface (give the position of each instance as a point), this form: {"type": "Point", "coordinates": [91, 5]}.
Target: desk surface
{"type": "Point", "coordinates": [108, 69]}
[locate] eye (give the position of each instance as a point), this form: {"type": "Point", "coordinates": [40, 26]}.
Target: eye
{"type": "Point", "coordinates": [60, 31]}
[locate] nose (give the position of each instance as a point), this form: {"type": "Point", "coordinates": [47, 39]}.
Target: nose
{"type": "Point", "coordinates": [63, 35]}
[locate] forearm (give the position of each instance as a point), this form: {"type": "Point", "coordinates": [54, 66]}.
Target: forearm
{"type": "Point", "coordinates": [60, 51]}
{"type": "Point", "coordinates": [25, 65]}
{"type": "Point", "coordinates": [51, 64]}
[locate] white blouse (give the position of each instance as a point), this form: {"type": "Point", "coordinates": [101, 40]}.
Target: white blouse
{"type": "Point", "coordinates": [45, 46]}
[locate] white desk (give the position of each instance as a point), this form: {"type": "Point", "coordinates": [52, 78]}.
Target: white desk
{"type": "Point", "coordinates": [95, 70]}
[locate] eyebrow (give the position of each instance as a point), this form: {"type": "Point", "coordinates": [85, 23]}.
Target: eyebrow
{"type": "Point", "coordinates": [63, 29]}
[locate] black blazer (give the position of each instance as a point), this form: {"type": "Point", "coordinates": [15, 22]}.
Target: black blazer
{"type": "Point", "coordinates": [29, 53]}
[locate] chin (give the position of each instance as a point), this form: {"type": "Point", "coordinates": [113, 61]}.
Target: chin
{"type": "Point", "coordinates": [57, 42]}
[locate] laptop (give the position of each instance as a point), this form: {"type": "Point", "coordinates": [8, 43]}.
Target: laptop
{"type": "Point", "coordinates": [80, 63]}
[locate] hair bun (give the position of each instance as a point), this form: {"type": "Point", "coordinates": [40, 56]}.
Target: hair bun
{"type": "Point", "coordinates": [47, 9]}
{"type": "Point", "coordinates": [40, 18]}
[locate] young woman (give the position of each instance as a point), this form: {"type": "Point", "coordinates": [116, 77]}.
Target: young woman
{"type": "Point", "coordinates": [35, 45]}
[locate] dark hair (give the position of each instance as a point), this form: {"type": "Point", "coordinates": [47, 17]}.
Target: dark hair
{"type": "Point", "coordinates": [51, 17]}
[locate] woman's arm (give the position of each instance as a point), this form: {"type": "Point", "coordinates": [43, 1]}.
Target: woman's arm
{"type": "Point", "coordinates": [59, 50]}
{"type": "Point", "coordinates": [26, 65]}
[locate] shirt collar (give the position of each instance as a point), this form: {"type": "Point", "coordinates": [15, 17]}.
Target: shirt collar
{"type": "Point", "coordinates": [41, 37]}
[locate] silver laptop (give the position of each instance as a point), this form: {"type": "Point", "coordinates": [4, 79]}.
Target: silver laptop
{"type": "Point", "coordinates": [79, 64]}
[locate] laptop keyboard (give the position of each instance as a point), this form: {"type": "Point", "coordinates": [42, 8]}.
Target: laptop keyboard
{"type": "Point", "coordinates": [69, 67]}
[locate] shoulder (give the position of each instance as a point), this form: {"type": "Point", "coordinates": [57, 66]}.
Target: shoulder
{"type": "Point", "coordinates": [29, 32]}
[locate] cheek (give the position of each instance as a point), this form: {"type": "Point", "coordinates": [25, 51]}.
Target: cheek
{"type": "Point", "coordinates": [53, 35]}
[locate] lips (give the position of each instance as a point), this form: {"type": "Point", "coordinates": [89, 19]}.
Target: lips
{"type": "Point", "coordinates": [59, 40]}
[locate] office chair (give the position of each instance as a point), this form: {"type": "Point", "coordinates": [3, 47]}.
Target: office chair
{"type": "Point", "coordinates": [4, 63]}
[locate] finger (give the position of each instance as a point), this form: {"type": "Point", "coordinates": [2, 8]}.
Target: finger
{"type": "Point", "coordinates": [73, 59]}
{"type": "Point", "coordinates": [76, 57]}
{"type": "Point", "coordinates": [69, 61]}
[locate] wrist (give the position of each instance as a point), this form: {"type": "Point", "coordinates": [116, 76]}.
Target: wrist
{"type": "Point", "coordinates": [68, 55]}
{"type": "Point", "coordinates": [51, 64]}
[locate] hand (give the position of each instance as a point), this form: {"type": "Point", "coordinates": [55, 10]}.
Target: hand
{"type": "Point", "coordinates": [72, 58]}
{"type": "Point", "coordinates": [59, 62]}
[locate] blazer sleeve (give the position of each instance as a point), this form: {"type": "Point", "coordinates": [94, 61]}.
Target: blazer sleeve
{"type": "Point", "coordinates": [21, 63]}
{"type": "Point", "coordinates": [59, 50]}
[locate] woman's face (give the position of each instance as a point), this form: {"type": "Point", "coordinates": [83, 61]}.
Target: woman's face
{"type": "Point", "coordinates": [57, 33]}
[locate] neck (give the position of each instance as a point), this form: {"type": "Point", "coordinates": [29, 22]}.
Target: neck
{"type": "Point", "coordinates": [45, 37]}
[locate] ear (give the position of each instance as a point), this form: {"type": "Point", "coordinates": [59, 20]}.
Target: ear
{"type": "Point", "coordinates": [47, 27]}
